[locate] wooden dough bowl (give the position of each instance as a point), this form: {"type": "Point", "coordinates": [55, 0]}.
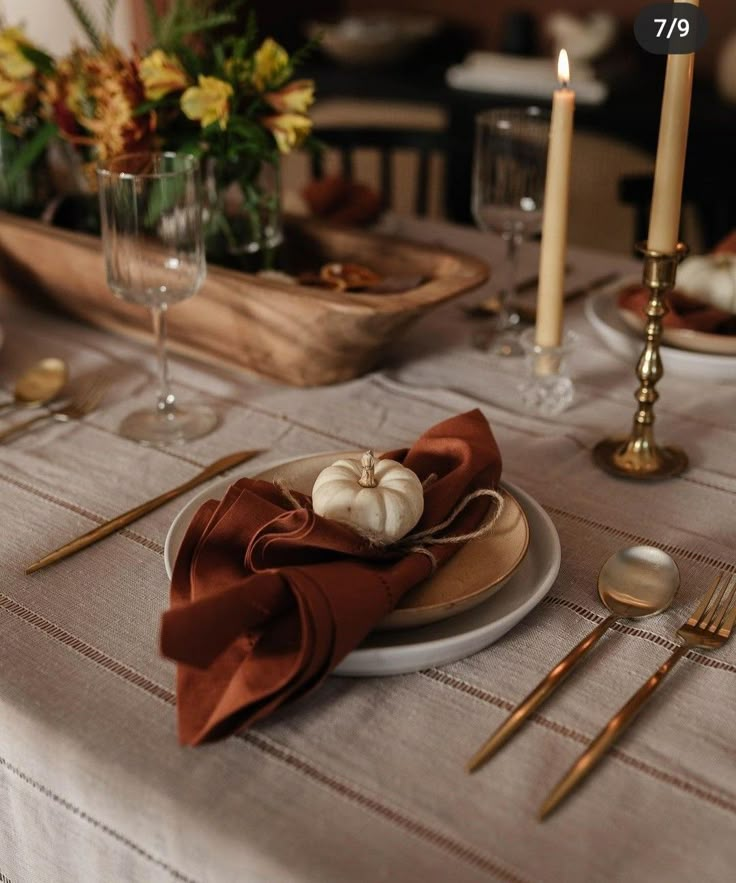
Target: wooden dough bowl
{"type": "Point", "coordinates": [300, 335]}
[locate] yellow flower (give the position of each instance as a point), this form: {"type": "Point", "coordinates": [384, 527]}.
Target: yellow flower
{"type": "Point", "coordinates": [289, 129]}
{"type": "Point", "coordinates": [237, 70]}
{"type": "Point", "coordinates": [160, 74]}
{"type": "Point", "coordinates": [297, 97]}
{"type": "Point", "coordinates": [12, 61]}
{"type": "Point", "coordinates": [208, 102]}
{"type": "Point", "coordinates": [13, 95]}
{"type": "Point", "coordinates": [271, 66]}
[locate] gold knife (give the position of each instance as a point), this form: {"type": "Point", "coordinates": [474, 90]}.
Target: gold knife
{"type": "Point", "coordinates": [115, 524]}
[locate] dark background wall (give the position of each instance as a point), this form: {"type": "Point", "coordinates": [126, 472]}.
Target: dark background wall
{"type": "Point", "coordinates": [482, 21]}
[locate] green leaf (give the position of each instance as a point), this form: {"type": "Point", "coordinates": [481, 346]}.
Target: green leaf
{"type": "Point", "coordinates": [31, 151]}
{"type": "Point", "coordinates": [109, 14]}
{"type": "Point", "coordinates": [191, 62]}
{"type": "Point", "coordinates": [153, 20]}
{"type": "Point", "coordinates": [194, 26]}
{"type": "Point", "coordinates": [42, 62]}
{"type": "Point", "coordinates": [308, 49]}
{"type": "Point", "coordinates": [86, 22]}
{"type": "Point", "coordinates": [251, 33]}
{"type": "Point", "coordinates": [160, 104]}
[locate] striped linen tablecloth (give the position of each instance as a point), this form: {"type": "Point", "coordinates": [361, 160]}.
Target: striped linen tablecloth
{"type": "Point", "coordinates": [364, 780]}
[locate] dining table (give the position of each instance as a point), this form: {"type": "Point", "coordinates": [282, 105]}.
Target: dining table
{"type": "Point", "coordinates": [363, 780]}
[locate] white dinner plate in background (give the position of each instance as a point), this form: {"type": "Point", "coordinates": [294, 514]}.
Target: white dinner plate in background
{"type": "Point", "coordinates": [602, 312]}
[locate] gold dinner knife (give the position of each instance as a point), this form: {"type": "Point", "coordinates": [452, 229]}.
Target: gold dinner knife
{"type": "Point", "coordinates": [115, 524]}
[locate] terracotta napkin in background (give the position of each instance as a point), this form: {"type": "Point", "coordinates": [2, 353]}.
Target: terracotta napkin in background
{"type": "Point", "coordinates": [267, 600]}
{"type": "Point", "coordinates": [685, 311]}
{"type": "Point", "coordinates": [342, 201]}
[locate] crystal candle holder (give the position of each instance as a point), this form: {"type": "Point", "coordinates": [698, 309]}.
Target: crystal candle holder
{"type": "Point", "coordinates": [547, 389]}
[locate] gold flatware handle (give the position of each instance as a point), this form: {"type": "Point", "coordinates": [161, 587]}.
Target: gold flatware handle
{"type": "Point", "coordinates": [19, 427]}
{"type": "Point", "coordinates": [491, 305]}
{"type": "Point", "coordinates": [608, 735]}
{"type": "Point", "coordinates": [115, 524]}
{"type": "Point", "coordinates": [528, 312]}
{"type": "Point", "coordinates": [539, 694]}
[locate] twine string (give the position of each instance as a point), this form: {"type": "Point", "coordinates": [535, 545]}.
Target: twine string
{"type": "Point", "coordinates": [418, 541]}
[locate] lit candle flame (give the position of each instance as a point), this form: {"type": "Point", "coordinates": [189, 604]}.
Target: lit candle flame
{"type": "Point", "coordinates": [563, 68]}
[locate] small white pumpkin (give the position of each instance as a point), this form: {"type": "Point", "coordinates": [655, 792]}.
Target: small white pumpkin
{"type": "Point", "coordinates": [379, 498]}
{"type": "Point", "coordinates": [710, 278]}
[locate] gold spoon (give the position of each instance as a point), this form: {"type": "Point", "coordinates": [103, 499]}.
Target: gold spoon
{"type": "Point", "coordinates": [633, 583]}
{"type": "Point", "coordinates": [38, 385]}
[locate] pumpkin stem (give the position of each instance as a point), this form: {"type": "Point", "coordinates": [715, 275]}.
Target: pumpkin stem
{"type": "Point", "coordinates": [368, 476]}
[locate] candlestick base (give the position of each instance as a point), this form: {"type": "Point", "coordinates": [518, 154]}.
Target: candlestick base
{"type": "Point", "coordinates": [547, 390]}
{"type": "Point", "coordinates": [628, 458]}
{"type": "Point", "coordinates": [638, 456]}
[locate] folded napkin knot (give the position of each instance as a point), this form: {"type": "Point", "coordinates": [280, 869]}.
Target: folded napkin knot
{"type": "Point", "coordinates": [267, 597]}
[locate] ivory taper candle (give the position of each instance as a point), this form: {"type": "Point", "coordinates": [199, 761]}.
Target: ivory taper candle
{"type": "Point", "coordinates": [554, 223]}
{"type": "Point", "coordinates": [669, 170]}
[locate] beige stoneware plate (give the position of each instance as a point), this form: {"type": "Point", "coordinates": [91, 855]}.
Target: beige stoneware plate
{"type": "Point", "coordinates": [471, 576]}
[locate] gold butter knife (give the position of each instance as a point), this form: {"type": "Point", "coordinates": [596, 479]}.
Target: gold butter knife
{"type": "Point", "coordinates": [115, 524]}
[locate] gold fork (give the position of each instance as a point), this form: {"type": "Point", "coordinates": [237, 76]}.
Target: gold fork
{"type": "Point", "coordinates": [82, 402]}
{"type": "Point", "coordinates": [708, 628]}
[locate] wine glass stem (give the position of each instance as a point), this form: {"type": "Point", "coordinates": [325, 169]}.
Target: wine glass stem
{"type": "Point", "coordinates": [166, 401]}
{"type": "Point", "coordinates": [513, 241]}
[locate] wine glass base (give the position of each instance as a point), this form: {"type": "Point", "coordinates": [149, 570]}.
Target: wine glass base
{"type": "Point", "coordinates": [158, 428]}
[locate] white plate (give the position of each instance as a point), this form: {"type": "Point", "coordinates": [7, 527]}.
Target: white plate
{"type": "Point", "coordinates": [680, 338]}
{"type": "Point", "coordinates": [408, 650]}
{"type": "Point", "coordinates": [601, 310]}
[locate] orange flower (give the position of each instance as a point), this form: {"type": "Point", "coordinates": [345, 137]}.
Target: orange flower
{"type": "Point", "coordinates": [93, 99]}
{"type": "Point", "coordinates": [297, 97]}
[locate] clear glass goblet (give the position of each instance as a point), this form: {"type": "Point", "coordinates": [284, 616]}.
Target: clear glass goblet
{"type": "Point", "coordinates": [509, 168]}
{"type": "Point", "coordinates": [151, 208]}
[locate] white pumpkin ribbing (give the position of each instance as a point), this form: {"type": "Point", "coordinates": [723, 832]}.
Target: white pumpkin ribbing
{"type": "Point", "coordinates": [385, 512]}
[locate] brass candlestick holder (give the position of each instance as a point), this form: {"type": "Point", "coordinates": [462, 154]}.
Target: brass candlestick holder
{"type": "Point", "coordinates": [638, 456]}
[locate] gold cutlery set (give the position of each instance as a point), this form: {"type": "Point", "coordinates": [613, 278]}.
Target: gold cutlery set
{"type": "Point", "coordinates": [39, 386]}
{"type": "Point", "coordinates": [633, 583]}
{"type": "Point", "coordinates": [636, 582]}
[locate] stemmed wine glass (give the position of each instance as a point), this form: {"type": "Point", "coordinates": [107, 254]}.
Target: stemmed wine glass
{"type": "Point", "coordinates": [509, 166]}
{"type": "Point", "coordinates": [151, 208]}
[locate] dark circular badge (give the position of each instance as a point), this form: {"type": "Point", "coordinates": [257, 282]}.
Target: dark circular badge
{"type": "Point", "coordinates": [671, 28]}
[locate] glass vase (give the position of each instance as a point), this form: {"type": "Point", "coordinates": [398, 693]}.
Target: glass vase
{"type": "Point", "coordinates": [243, 223]}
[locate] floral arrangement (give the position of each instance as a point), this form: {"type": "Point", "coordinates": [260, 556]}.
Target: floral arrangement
{"type": "Point", "coordinates": [230, 99]}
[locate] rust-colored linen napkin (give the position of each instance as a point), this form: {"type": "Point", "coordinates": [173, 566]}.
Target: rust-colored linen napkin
{"type": "Point", "coordinates": [266, 600]}
{"type": "Point", "coordinates": [685, 311]}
